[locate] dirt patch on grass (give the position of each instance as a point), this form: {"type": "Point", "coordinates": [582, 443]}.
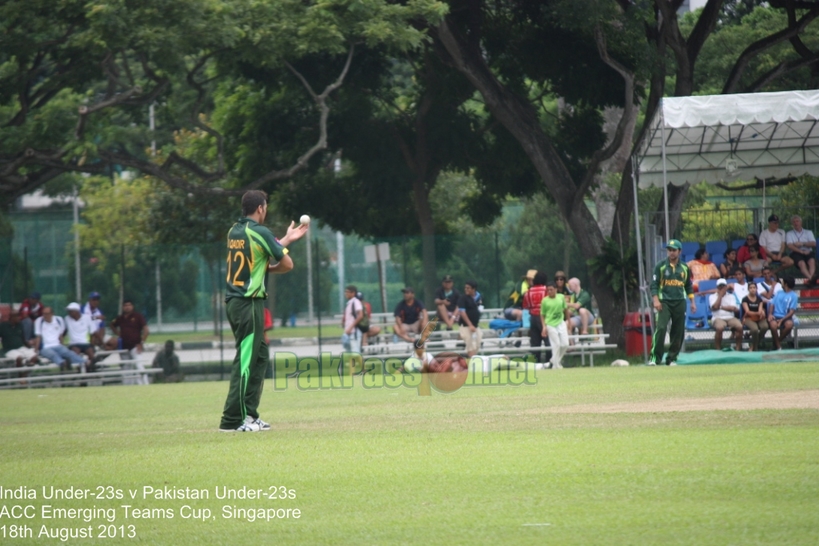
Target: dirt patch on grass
{"type": "Point", "coordinates": [808, 399]}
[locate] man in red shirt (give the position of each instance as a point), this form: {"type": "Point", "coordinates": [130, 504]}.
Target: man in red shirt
{"type": "Point", "coordinates": [531, 302]}
{"type": "Point", "coordinates": [30, 310]}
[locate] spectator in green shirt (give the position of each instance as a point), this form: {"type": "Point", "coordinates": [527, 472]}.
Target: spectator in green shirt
{"type": "Point", "coordinates": [555, 314]}
{"type": "Point", "coordinates": [581, 308]}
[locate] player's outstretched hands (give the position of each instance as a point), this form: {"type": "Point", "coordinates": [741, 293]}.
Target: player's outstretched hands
{"type": "Point", "coordinates": [294, 233]}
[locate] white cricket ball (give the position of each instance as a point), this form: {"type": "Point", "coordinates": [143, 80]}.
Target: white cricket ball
{"type": "Point", "coordinates": [304, 219]}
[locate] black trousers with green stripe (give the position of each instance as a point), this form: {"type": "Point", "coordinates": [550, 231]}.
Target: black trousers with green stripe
{"type": "Point", "coordinates": [246, 317]}
{"type": "Point", "coordinates": [673, 310]}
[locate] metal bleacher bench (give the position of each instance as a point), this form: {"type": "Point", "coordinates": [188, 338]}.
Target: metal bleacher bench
{"type": "Point", "coordinates": [48, 374]}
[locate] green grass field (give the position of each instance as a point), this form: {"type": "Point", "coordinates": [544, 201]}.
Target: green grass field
{"type": "Point", "coordinates": [485, 465]}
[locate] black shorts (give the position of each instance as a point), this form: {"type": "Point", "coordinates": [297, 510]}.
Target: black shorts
{"type": "Point", "coordinates": [81, 346]}
{"type": "Point", "coordinates": [799, 257]}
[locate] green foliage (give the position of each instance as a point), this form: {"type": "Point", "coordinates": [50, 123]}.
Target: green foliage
{"type": "Point", "coordinates": [710, 222]}
{"type": "Point", "coordinates": [617, 267]}
{"type": "Point", "coordinates": [801, 197]}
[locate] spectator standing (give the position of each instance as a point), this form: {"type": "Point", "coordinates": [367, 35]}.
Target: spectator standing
{"type": "Point", "coordinates": [702, 268]}
{"type": "Point", "coordinates": [730, 265]}
{"type": "Point", "coordinates": [754, 264]}
{"type": "Point", "coordinates": [754, 316]}
{"type": "Point", "coordinates": [353, 314]}
{"type": "Point", "coordinates": [531, 302]}
{"type": "Point", "coordinates": [773, 241]}
{"type": "Point", "coordinates": [802, 245]}
{"type": "Point", "coordinates": [446, 302]}
{"type": "Point", "coordinates": [770, 285]}
{"type": "Point", "coordinates": [49, 331]}
{"type": "Point", "coordinates": [169, 362]}
{"type": "Point", "coordinates": [91, 308]}
{"type": "Point", "coordinates": [782, 312]}
{"type": "Point", "coordinates": [80, 328]}
{"type": "Point", "coordinates": [581, 308]}
{"type": "Point", "coordinates": [555, 314]}
{"type": "Point", "coordinates": [30, 310]}
{"type": "Point", "coordinates": [131, 329]}
{"type": "Point", "coordinates": [368, 329]}
{"type": "Point", "coordinates": [14, 342]}
{"type": "Point", "coordinates": [469, 317]}
{"type": "Point", "coordinates": [743, 253]}
{"type": "Point", "coordinates": [670, 286]}
{"type": "Point", "coordinates": [724, 305]}
{"type": "Point", "coordinates": [410, 315]}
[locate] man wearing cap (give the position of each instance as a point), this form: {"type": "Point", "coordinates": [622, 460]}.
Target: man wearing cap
{"type": "Point", "coordinates": [513, 308]}
{"type": "Point", "coordinates": [79, 328]}
{"type": "Point", "coordinates": [724, 304]}
{"type": "Point", "coordinates": [670, 286]}
{"type": "Point", "coordinates": [410, 315]}
{"type": "Point", "coordinates": [446, 301]}
{"type": "Point", "coordinates": [92, 309]}
{"type": "Point", "coordinates": [773, 241]}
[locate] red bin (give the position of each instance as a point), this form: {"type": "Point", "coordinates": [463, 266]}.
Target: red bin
{"type": "Point", "coordinates": [633, 326]}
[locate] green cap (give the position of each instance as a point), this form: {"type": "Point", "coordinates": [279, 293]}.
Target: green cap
{"type": "Point", "coordinates": [675, 244]}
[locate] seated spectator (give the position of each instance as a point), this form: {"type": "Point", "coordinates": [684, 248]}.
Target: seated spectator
{"type": "Point", "coordinates": [728, 267]}
{"type": "Point", "coordinates": [92, 309]}
{"type": "Point", "coordinates": [410, 316]}
{"type": "Point", "coordinates": [169, 362]}
{"type": "Point", "coordinates": [130, 329]}
{"type": "Point", "coordinates": [773, 241]}
{"type": "Point", "coordinates": [80, 330]}
{"type": "Point", "coordinates": [724, 305]}
{"type": "Point", "coordinates": [802, 245]}
{"type": "Point", "coordinates": [30, 310]}
{"type": "Point", "coordinates": [469, 317]}
{"type": "Point", "coordinates": [513, 308]}
{"type": "Point", "coordinates": [581, 308]}
{"type": "Point", "coordinates": [770, 285]}
{"type": "Point", "coordinates": [782, 311]}
{"type": "Point", "coordinates": [740, 287]}
{"type": "Point", "coordinates": [352, 316]}
{"type": "Point", "coordinates": [531, 302]}
{"type": "Point", "coordinates": [446, 302]}
{"type": "Point", "coordinates": [14, 343]}
{"type": "Point", "coordinates": [754, 316]}
{"type": "Point", "coordinates": [48, 331]}
{"type": "Point", "coordinates": [562, 287]}
{"type": "Point", "coordinates": [368, 329]}
{"type": "Point", "coordinates": [702, 268]}
{"type": "Point", "coordinates": [754, 264]}
{"type": "Point", "coordinates": [743, 253]}
{"type": "Point", "coordinates": [555, 315]}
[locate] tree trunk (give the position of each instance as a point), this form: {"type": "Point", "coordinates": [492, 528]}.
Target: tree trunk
{"type": "Point", "coordinates": [427, 224]}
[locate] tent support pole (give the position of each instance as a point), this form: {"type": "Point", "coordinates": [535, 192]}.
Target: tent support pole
{"type": "Point", "coordinates": [665, 173]}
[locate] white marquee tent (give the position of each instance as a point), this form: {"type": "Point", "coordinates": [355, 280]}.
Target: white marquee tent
{"type": "Point", "coordinates": [720, 138]}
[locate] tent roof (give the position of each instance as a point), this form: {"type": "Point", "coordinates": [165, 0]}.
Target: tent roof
{"type": "Point", "coordinates": [732, 137]}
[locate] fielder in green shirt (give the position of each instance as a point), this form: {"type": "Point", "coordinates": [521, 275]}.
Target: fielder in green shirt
{"type": "Point", "coordinates": [251, 248]}
{"type": "Point", "coordinates": [670, 287]}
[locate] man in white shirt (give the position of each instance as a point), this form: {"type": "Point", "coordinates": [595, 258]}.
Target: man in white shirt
{"type": "Point", "coordinates": [773, 241]}
{"type": "Point", "coordinates": [351, 338]}
{"type": "Point", "coordinates": [80, 329]}
{"type": "Point", "coordinates": [802, 245]}
{"type": "Point", "coordinates": [740, 287]}
{"type": "Point", "coordinates": [769, 286]}
{"type": "Point", "coordinates": [48, 335]}
{"type": "Point", "coordinates": [724, 305]}
{"type": "Point", "coordinates": [92, 309]}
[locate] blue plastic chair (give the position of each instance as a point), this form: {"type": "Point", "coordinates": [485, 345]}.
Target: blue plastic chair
{"type": "Point", "coordinates": [698, 320]}
{"type": "Point", "coordinates": [710, 284]}
{"type": "Point", "coordinates": [736, 243]}
{"type": "Point", "coordinates": [716, 249]}
{"type": "Point", "coordinates": [690, 248]}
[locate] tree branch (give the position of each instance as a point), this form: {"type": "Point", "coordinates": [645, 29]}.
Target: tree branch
{"type": "Point", "coordinates": [779, 70]}
{"type": "Point", "coordinates": [758, 184]}
{"type": "Point", "coordinates": [761, 45]}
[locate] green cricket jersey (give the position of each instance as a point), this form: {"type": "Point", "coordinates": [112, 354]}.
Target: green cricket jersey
{"type": "Point", "coordinates": [250, 246]}
{"type": "Point", "coordinates": [671, 282]}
